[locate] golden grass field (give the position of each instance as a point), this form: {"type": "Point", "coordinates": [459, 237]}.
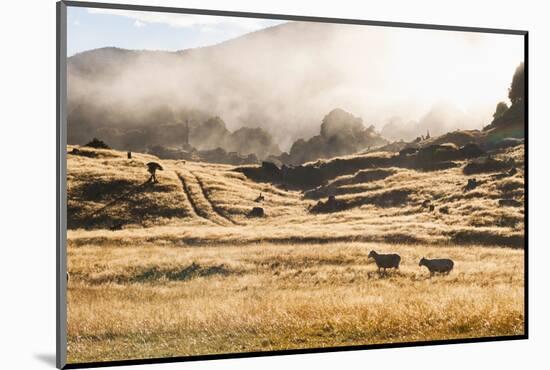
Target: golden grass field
{"type": "Point", "coordinates": [176, 268]}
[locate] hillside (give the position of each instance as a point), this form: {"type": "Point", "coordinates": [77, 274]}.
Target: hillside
{"type": "Point", "coordinates": [378, 199]}
{"type": "Point", "coordinates": [181, 259]}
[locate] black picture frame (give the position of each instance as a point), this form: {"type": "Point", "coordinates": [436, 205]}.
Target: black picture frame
{"type": "Point", "coordinates": [61, 191]}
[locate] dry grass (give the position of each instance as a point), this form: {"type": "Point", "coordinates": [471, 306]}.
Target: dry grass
{"type": "Point", "coordinates": [266, 297]}
{"type": "Point", "coordinates": [188, 273]}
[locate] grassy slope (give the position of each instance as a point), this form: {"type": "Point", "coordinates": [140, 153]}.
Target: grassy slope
{"type": "Point", "coordinates": [149, 301]}
{"type": "Point", "coordinates": [164, 213]}
{"type": "Point", "coordinates": [180, 280]}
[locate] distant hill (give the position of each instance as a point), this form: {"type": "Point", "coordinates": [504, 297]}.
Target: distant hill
{"type": "Point", "coordinates": [133, 99]}
{"type": "Point", "coordinates": [282, 79]}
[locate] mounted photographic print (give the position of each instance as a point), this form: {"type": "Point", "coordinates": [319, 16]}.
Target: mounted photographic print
{"type": "Point", "coordinates": [238, 184]}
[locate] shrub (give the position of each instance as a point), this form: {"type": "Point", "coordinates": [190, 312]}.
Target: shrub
{"type": "Point", "coordinates": [98, 144]}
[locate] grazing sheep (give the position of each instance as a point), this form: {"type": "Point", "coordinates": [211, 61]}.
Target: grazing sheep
{"type": "Point", "coordinates": [153, 167]}
{"type": "Point", "coordinates": [385, 261]}
{"type": "Point", "coordinates": [442, 265]}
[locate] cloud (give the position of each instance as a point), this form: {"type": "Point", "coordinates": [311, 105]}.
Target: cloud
{"type": "Point", "coordinates": [138, 23]}
{"type": "Point", "coordinates": [76, 22]}
{"type": "Point", "coordinates": [185, 20]}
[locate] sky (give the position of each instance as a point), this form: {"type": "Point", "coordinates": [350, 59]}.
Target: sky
{"type": "Point", "coordinates": [92, 28]}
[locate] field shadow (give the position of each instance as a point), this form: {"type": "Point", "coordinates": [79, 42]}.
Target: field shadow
{"type": "Point", "coordinates": [46, 358]}
{"type": "Point", "coordinates": [384, 274]}
{"type": "Point", "coordinates": [398, 275]}
{"type": "Point", "coordinates": [192, 271]}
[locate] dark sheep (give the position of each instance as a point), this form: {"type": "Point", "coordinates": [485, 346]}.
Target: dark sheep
{"type": "Point", "coordinates": [256, 212]}
{"type": "Point", "coordinates": [152, 168]}
{"type": "Point", "coordinates": [385, 261]}
{"type": "Point", "coordinates": [443, 265]}
{"type": "Point", "coordinates": [472, 184]}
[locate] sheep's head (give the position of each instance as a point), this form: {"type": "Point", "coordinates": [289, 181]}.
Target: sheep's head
{"type": "Point", "coordinates": [422, 261]}
{"type": "Point", "coordinates": [372, 254]}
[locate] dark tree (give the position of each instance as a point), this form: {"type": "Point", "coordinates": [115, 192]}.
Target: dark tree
{"type": "Point", "coordinates": [98, 144]}
{"type": "Point", "coordinates": [502, 107]}
{"type": "Point", "coordinates": [514, 114]}
{"type": "Point", "coordinates": [516, 92]}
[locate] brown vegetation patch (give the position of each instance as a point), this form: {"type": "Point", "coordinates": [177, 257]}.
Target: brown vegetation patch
{"type": "Point", "coordinates": [153, 274]}
{"type": "Point", "coordinates": [510, 185]}
{"type": "Point", "coordinates": [89, 152]}
{"type": "Point", "coordinates": [488, 237]}
{"type": "Point", "coordinates": [401, 238]}
{"type": "Point", "coordinates": [389, 198]}
{"type": "Point", "coordinates": [100, 189]}
{"type": "Point", "coordinates": [436, 166]}
{"type": "Point", "coordinates": [335, 187]}
{"type": "Point", "coordinates": [486, 165]}
{"type": "Point", "coordinates": [509, 203]}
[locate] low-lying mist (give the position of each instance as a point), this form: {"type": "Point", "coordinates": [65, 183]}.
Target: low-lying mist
{"type": "Point", "coordinates": [283, 80]}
